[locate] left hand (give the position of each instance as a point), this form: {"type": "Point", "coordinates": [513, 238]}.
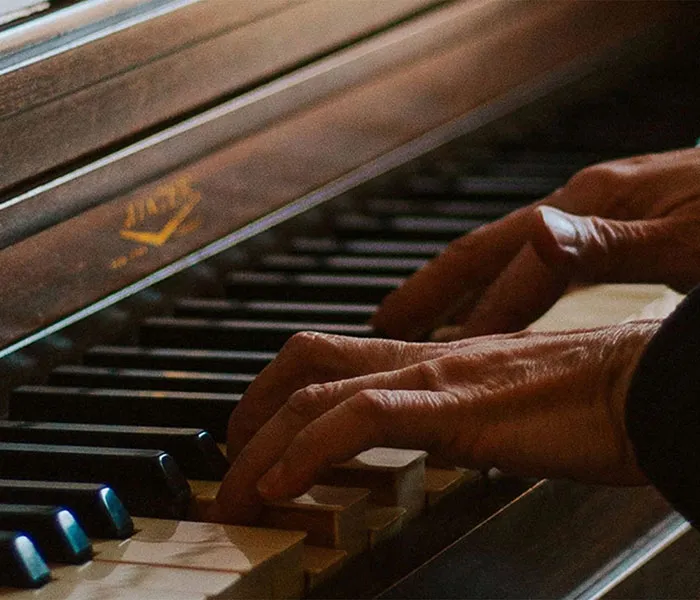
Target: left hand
{"type": "Point", "coordinates": [544, 404]}
{"type": "Point", "coordinates": [629, 220]}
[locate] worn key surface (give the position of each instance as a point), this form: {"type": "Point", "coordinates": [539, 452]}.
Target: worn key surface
{"type": "Point", "coordinates": [270, 561]}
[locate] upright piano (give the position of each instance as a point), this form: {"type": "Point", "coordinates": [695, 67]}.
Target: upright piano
{"type": "Point", "coordinates": [186, 183]}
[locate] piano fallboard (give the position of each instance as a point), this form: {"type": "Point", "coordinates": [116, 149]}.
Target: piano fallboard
{"type": "Point", "coordinates": [426, 95]}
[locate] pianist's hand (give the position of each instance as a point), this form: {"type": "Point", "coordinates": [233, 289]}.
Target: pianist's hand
{"type": "Point", "coordinates": [631, 220]}
{"type": "Point", "coordinates": [544, 404]}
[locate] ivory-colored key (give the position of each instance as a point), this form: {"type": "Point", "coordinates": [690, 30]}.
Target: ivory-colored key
{"type": "Point", "coordinates": [394, 476]}
{"type": "Point", "coordinates": [149, 577]}
{"type": "Point", "coordinates": [383, 523]}
{"type": "Point", "coordinates": [321, 563]}
{"type": "Point", "coordinates": [333, 517]}
{"type": "Point", "coordinates": [76, 590]}
{"type": "Point", "coordinates": [440, 483]}
{"type": "Point", "coordinates": [203, 497]}
{"type": "Point", "coordinates": [607, 304]}
{"type": "Point", "coordinates": [269, 561]}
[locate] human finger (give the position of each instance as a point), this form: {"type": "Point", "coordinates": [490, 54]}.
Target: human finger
{"type": "Point", "coordinates": [307, 358]}
{"type": "Point", "coordinates": [524, 291]}
{"type": "Point", "coordinates": [446, 283]}
{"type": "Point", "coordinates": [420, 419]}
{"type": "Point", "coordinates": [564, 247]}
{"type": "Point", "coordinates": [238, 500]}
{"type": "Point", "coordinates": [591, 248]}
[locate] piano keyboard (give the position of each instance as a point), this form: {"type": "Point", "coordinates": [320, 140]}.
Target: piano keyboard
{"type": "Point", "coordinates": [107, 421]}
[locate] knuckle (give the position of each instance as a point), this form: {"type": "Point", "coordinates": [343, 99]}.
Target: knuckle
{"type": "Point", "coordinates": [431, 373]}
{"type": "Point", "coordinates": [598, 182]}
{"type": "Point", "coordinates": [595, 176]}
{"type": "Point", "coordinates": [309, 402]}
{"type": "Point", "coordinates": [311, 353]}
{"type": "Point", "coordinates": [304, 343]}
{"type": "Point", "coordinates": [373, 405]}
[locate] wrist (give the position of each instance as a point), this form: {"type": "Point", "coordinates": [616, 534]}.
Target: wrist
{"type": "Point", "coordinates": [632, 351]}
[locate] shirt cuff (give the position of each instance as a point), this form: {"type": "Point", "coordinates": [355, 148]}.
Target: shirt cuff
{"type": "Point", "coordinates": [663, 409]}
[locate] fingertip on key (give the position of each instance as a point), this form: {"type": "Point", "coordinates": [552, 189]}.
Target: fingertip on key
{"type": "Point", "coordinates": [270, 485]}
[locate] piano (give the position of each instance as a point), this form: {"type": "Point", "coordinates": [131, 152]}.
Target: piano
{"type": "Point", "coordinates": [185, 183]}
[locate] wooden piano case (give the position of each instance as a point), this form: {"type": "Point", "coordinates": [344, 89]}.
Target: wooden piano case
{"type": "Point", "coordinates": [142, 141]}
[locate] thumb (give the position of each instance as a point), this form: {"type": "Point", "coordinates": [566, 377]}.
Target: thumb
{"type": "Point", "coordinates": [596, 249]}
{"type": "Point", "coordinates": [563, 248]}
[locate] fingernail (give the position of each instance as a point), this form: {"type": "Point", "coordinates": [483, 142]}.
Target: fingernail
{"type": "Point", "coordinates": [270, 485]}
{"type": "Point", "coordinates": [561, 226]}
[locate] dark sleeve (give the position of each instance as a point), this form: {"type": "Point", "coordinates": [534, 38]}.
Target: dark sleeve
{"type": "Point", "coordinates": [663, 409]}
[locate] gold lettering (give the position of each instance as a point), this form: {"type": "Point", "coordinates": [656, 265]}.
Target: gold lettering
{"type": "Point", "coordinates": [119, 263]}
{"type": "Point", "coordinates": [151, 207]}
{"type": "Point", "coordinates": [174, 201]}
{"type": "Point", "coordinates": [130, 220]}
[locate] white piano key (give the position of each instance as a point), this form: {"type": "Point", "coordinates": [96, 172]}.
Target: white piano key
{"type": "Point", "coordinates": [333, 517]}
{"type": "Point", "coordinates": [68, 590]}
{"type": "Point", "coordinates": [270, 561]}
{"type": "Point", "coordinates": [153, 578]}
{"type": "Point", "coordinates": [395, 476]}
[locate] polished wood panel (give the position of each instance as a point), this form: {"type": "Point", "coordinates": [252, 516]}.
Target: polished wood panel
{"type": "Point", "coordinates": [87, 258]}
{"type": "Point", "coordinates": [138, 66]}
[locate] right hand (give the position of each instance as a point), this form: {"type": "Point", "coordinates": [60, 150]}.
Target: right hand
{"type": "Point", "coordinates": [629, 220]}
{"type": "Point", "coordinates": [547, 404]}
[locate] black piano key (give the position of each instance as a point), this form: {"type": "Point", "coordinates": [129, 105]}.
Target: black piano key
{"type": "Point", "coordinates": [327, 312]}
{"type": "Point", "coordinates": [149, 379]}
{"type": "Point", "coordinates": [427, 207]}
{"type": "Point", "coordinates": [21, 565]}
{"type": "Point", "coordinates": [482, 188]}
{"type": "Point", "coordinates": [149, 482]}
{"type": "Point", "coordinates": [184, 359]}
{"type": "Point", "coordinates": [194, 450]}
{"type": "Point", "coordinates": [257, 335]}
{"type": "Point", "coordinates": [425, 184]}
{"type": "Point", "coordinates": [328, 245]}
{"type": "Point", "coordinates": [358, 264]}
{"type": "Point", "coordinates": [531, 188]}
{"type": "Point", "coordinates": [300, 287]}
{"type": "Point", "coordinates": [553, 166]}
{"type": "Point", "coordinates": [209, 412]}
{"type": "Point", "coordinates": [54, 530]}
{"type": "Point", "coordinates": [358, 225]}
{"type": "Point", "coordinates": [96, 506]}
{"type": "Point", "coordinates": [522, 164]}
